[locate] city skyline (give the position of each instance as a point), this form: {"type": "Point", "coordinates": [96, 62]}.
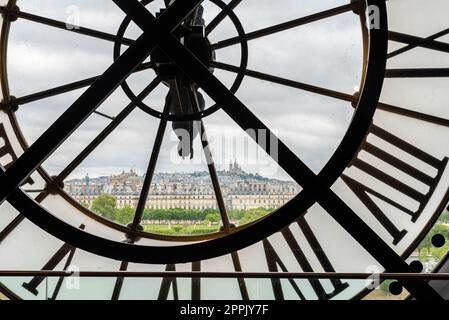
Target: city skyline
{"type": "Point", "coordinates": [141, 172]}
{"type": "Point", "coordinates": [240, 190]}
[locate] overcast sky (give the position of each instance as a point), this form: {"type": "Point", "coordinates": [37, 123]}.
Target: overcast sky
{"type": "Point", "coordinates": [326, 53]}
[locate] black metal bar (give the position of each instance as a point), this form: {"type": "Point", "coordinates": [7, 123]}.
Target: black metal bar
{"type": "Point", "coordinates": [104, 115]}
{"type": "Point", "coordinates": [11, 226]}
{"type": "Point", "coordinates": [287, 82]}
{"type": "Point", "coordinates": [64, 26]}
{"type": "Point", "coordinates": [35, 191]}
{"type": "Point", "coordinates": [288, 25]}
{"type": "Point", "coordinates": [418, 41]}
{"type": "Point", "coordinates": [414, 114]}
{"type": "Point", "coordinates": [150, 173]}
{"type": "Point", "coordinates": [417, 73]}
{"type": "Point", "coordinates": [49, 141]}
{"type": "Point", "coordinates": [220, 17]}
{"type": "Point", "coordinates": [62, 89]}
{"type": "Point", "coordinates": [50, 92]}
{"type": "Point", "coordinates": [119, 282]}
{"type": "Point", "coordinates": [105, 133]}
{"type": "Point", "coordinates": [241, 281]}
{"type": "Point", "coordinates": [228, 275]}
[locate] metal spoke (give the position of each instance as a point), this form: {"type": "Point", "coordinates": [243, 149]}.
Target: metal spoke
{"type": "Point", "coordinates": [241, 281]}
{"type": "Point", "coordinates": [119, 282]}
{"type": "Point", "coordinates": [288, 25]}
{"type": "Point", "coordinates": [64, 26]}
{"type": "Point", "coordinates": [10, 227]}
{"type": "Point", "coordinates": [220, 17]}
{"type": "Point", "coordinates": [62, 89]}
{"type": "Point", "coordinates": [149, 175]}
{"type": "Point", "coordinates": [413, 114]}
{"type": "Point", "coordinates": [287, 82]}
{"type": "Point", "coordinates": [412, 46]}
{"type": "Point", "coordinates": [48, 142]}
{"type": "Point", "coordinates": [417, 73]}
{"type": "Point", "coordinates": [34, 191]}
{"type": "Point", "coordinates": [106, 132]}
{"type": "Point", "coordinates": [304, 176]}
{"type": "Point", "coordinates": [104, 115]}
{"type": "Point", "coordinates": [49, 93]}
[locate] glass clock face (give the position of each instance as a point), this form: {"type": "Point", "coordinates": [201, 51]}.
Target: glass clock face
{"type": "Point", "coordinates": [199, 136]}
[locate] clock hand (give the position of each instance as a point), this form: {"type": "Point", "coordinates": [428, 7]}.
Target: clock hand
{"type": "Point", "coordinates": [179, 101]}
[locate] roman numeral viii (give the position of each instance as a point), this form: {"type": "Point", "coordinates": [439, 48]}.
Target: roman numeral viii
{"type": "Point", "coordinates": [400, 164]}
{"type": "Point", "coordinates": [7, 154]}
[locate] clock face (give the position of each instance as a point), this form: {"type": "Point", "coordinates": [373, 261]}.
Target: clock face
{"type": "Point", "coordinates": [309, 137]}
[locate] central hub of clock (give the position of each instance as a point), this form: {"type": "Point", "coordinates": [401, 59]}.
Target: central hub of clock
{"type": "Point", "coordinates": [193, 37]}
{"type": "Point", "coordinates": [184, 102]}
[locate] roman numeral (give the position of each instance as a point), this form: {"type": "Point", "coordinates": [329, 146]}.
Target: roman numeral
{"type": "Point", "coordinates": [275, 263]}
{"type": "Point", "coordinates": [414, 41]}
{"type": "Point", "coordinates": [64, 251]}
{"type": "Point", "coordinates": [6, 151]}
{"type": "Point", "coordinates": [196, 282]}
{"type": "Point", "coordinates": [171, 283]}
{"type": "Point", "coordinates": [6, 148]}
{"type": "Point", "coordinates": [365, 193]}
{"type": "Point", "coordinates": [417, 73]}
{"type": "Point", "coordinates": [119, 282]}
{"type": "Point", "coordinates": [168, 283]}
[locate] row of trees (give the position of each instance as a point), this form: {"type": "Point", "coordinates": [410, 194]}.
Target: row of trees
{"type": "Point", "coordinates": [106, 206]}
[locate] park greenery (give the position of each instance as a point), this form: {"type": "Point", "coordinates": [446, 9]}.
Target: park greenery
{"type": "Point", "coordinates": [174, 221]}
{"type": "Point", "coordinates": [426, 249]}
{"type": "Point", "coordinates": [425, 252]}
